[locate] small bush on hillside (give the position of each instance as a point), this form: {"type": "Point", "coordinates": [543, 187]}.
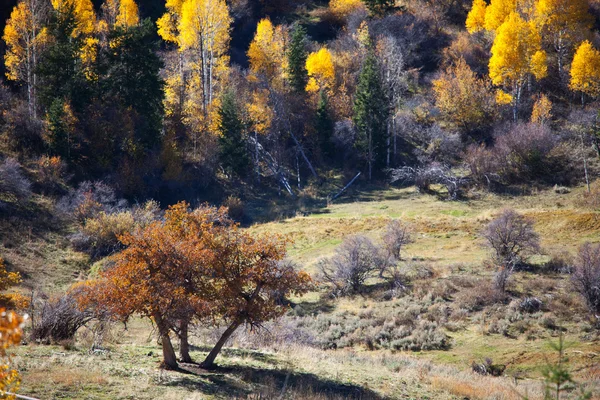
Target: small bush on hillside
{"type": "Point", "coordinates": [396, 236]}
{"type": "Point", "coordinates": [478, 297]}
{"type": "Point", "coordinates": [561, 263]}
{"type": "Point", "coordinates": [355, 261]}
{"type": "Point", "coordinates": [51, 173]}
{"type": "Point", "coordinates": [99, 235]}
{"type": "Point", "coordinates": [511, 237]}
{"type": "Point", "coordinates": [14, 185]}
{"type": "Point", "coordinates": [586, 277]}
{"type": "Point", "coordinates": [59, 320]}
{"type": "Point", "coordinates": [89, 199]}
{"type": "Point", "coordinates": [235, 208]}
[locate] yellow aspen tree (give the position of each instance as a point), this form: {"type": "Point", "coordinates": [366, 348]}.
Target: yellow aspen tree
{"type": "Point", "coordinates": [516, 56]}
{"type": "Point", "coordinates": [476, 17]}
{"type": "Point", "coordinates": [542, 110]}
{"type": "Point", "coordinates": [204, 30]}
{"type": "Point", "coordinates": [497, 12]}
{"type": "Point", "coordinates": [267, 51]}
{"type": "Point", "coordinates": [321, 72]}
{"type": "Point", "coordinates": [585, 71]}
{"type": "Point", "coordinates": [463, 99]}
{"type": "Point", "coordinates": [24, 36]}
{"type": "Point", "coordinates": [168, 24]}
{"type": "Point", "coordinates": [564, 23]}
{"type": "Point", "coordinates": [343, 8]}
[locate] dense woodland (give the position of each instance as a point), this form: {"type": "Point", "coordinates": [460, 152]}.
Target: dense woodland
{"type": "Point", "coordinates": [122, 113]}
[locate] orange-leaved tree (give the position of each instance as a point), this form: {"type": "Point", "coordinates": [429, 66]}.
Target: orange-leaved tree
{"type": "Point", "coordinates": [162, 274]}
{"type": "Point", "coordinates": [253, 280]}
{"type": "Point", "coordinates": [195, 264]}
{"type": "Point", "coordinates": [7, 280]}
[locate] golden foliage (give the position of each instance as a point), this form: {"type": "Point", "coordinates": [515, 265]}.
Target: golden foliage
{"type": "Point", "coordinates": [321, 71]}
{"type": "Point", "coordinates": [497, 12]}
{"type": "Point", "coordinates": [267, 51]}
{"type": "Point", "coordinates": [261, 115]}
{"type": "Point", "coordinates": [542, 110]}
{"type": "Point", "coordinates": [503, 98]}
{"type": "Point", "coordinates": [343, 8]}
{"type": "Point", "coordinates": [8, 280]}
{"type": "Point", "coordinates": [11, 331]}
{"type": "Point", "coordinates": [585, 70]}
{"type": "Point", "coordinates": [128, 14]}
{"type": "Point", "coordinates": [462, 98]}
{"type": "Point", "coordinates": [517, 53]}
{"type": "Point", "coordinates": [23, 35]}
{"type": "Point", "coordinates": [476, 17]}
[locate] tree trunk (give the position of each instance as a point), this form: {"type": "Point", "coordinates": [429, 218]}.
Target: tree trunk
{"type": "Point", "coordinates": [209, 361]}
{"type": "Point", "coordinates": [169, 357]}
{"type": "Point", "coordinates": [184, 344]}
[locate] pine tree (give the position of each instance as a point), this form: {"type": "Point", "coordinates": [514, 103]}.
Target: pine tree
{"type": "Point", "coordinates": [370, 114]}
{"type": "Point", "coordinates": [232, 147]}
{"type": "Point", "coordinates": [296, 56]}
{"type": "Point", "coordinates": [133, 78]}
{"type": "Point", "coordinates": [324, 125]}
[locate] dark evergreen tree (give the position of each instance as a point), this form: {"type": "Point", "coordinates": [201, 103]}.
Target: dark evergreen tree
{"type": "Point", "coordinates": [324, 125]}
{"type": "Point", "coordinates": [132, 79]}
{"type": "Point", "coordinates": [296, 56]}
{"type": "Point", "coordinates": [232, 146]}
{"type": "Point", "coordinates": [60, 73]}
{"type": "Point", "coordinates": [370, 114]}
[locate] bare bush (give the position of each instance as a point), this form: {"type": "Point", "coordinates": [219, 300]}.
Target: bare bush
{"type": "Point", "coordinates": [89, 199]}
{"type": "Point", "coordinates": [235, 208]}
{"type": "Point", "coordinates": [59, 320]}
{"type": "Point", "coordinates": [13, 183]}
{"type": "Point", "coordinates": [355, 261]}
{"type": "Point", "coordinates": [586, 277]}
{"type": "Point", "coordinates": [51, 173]}
{"type": "Point", "coordinates": [511, 237]}
{"type": "Point", "coordinates": [396, 236]}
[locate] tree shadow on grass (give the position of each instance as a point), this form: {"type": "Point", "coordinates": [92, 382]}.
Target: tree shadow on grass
{"type": "Point", "coordinates": [241, 353]}
{"type": "Point", "coordinates": [241, 381]}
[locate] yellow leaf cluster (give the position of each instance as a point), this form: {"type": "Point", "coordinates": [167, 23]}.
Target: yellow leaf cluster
{"type": "Point", "coordinates": [476, 17]}
{"type": "Point", "coordinates": [503, 98]}
{"type": "Point", "coordinates": [343, 8]}
{"type": "Point", "coordinates": [168, 24]}
{"type": "Point", "coordinates": [497, 12]}
{"type": "Point", "coordinates": [542, 110]}
{"type": "Point", "coordinates": [11, 331]}
{"type": "Point", "coordinates": [321, 71]}
{"type": "Point", "coordinates": [261, 115]}
{"type": "Point", "coordinates": [462, 98]}
{"type": "Point", "coordinates": [585, 70]}
{"type": "Point", "coordinates": [267, 50]}
{"type": "Point", "coordinates": [517, 52]}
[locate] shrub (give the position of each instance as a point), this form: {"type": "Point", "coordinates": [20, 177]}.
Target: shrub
{"type": "Point", "coordinates": [235, 208]}
{"type": "Point", "coordinates": [586, 277]}
{"type": "Point", "coordinates": [99, 235]}
{"type": "Point", "coordinates": [487, 367]}
{"type": "Point", "coordinates": [51, 173]}
{"type": "Point", "coordinates": [478, 297]}
{"type": "Point", "coordinates": [59, 320]}
{"type": "Point", "coordinates": [354, 262]}
{"type": "Point", "coordinates": [530, 305]}
{"type": "Point", "coordinates": [510, 237]}
{"type": "Point", "coordinates": [395, 237]}
{"type": "Point", "coordinates": [14, 185]}
{"type": "Point", "coordinates": [89, 199]}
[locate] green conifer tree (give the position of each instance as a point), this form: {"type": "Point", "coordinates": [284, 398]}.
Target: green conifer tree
{"type": "Point", "coordinates": [232, 148]}
{"type": "Point", "coordinates": [379, 7]}
{"type": "Point", "coordinates": [324, 125]}
{"type": "Point", "coordinates": [370, 114]}
{"type": "Point", "coordinates": [297, 59]}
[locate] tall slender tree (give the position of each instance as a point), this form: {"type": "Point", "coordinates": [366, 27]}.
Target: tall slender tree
{"type": "Point", "coordinates": [370, 114]}
{"type": "Point", "coordinates": [296, 59]}
{"type": "Point", "coordinates": [24, 36]}
{"type": "Point", "coordinates": [232, 146]}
